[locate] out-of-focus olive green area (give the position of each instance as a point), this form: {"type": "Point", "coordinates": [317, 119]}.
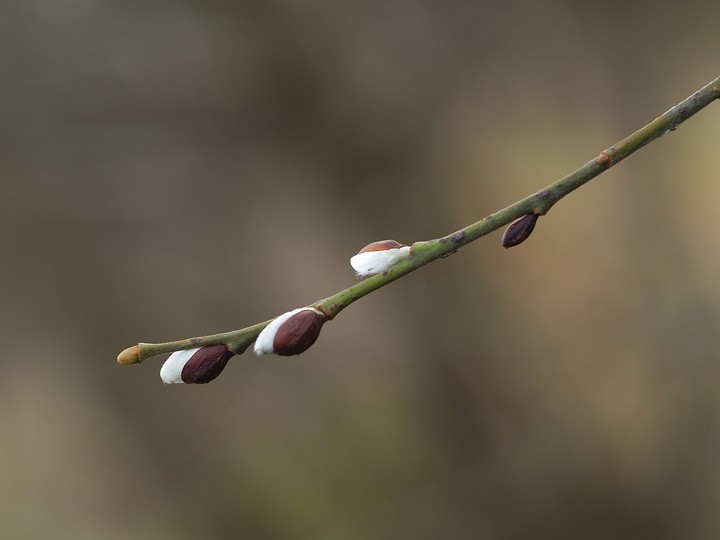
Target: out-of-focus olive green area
{"type": "Point", "coordinates": [172, 169]}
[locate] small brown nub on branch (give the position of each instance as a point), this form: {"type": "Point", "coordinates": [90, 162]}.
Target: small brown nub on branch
{"type": "Point", "coordinates": [381, 245]}
{"type": "Point", "coordinates": [519, 230]}
{"type": "Point", "coordinates": [604, 158]}
{"type": "Point", "coordinates": [129, 356]}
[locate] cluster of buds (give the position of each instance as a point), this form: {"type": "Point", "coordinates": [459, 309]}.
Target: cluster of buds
{"type": "Point", "coordinates": [287, 335]}
{"type": "Point", "coordinates": [294, 332]}
{"type": "Point", "coordinates": [377, 257]}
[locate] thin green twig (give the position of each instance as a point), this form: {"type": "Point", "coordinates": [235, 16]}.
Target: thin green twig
{"type": "Point", "coordinates": [424, 252]}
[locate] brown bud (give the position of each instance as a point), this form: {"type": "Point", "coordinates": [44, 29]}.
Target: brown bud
{"type": "Point", "coordinates": [519, 230]}
{"type": "Point", "coordinates": [206, 364]}
{"type": "Point", "coordinates": [298, 333]}
{"type": "Point", "coordinates": [381, 245]}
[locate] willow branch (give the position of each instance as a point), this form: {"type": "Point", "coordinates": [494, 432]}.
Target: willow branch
{"type": "Point", "coordinates": [421, 253]}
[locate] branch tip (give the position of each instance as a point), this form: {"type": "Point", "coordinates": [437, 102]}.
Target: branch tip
{"type": "Point", "coordinates": [129, 356]}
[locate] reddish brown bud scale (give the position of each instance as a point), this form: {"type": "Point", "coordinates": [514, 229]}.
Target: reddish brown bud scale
{"type": "Point", "coordinates": [206, 364]}
{"type": "Point", "coordinates": [298, 333]}
{"type": "Point", "coordinates": [381, 245]}
{"type": "Point", "coordinates": [519, 230]}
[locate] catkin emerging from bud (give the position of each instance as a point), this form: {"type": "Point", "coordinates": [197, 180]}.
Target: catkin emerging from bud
{"type": "Point", "coordinates": [377, 257]}
{"type": "Point", "coordinates": [195, 366]}
{"type": "Point", "coordinates": [291, 333]}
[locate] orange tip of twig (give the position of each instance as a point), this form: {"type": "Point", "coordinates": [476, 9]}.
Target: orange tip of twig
{"type": "Point", "coordinates": [129, 356]}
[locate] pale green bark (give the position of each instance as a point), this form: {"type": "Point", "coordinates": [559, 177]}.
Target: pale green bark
{"type": "Point", "coordinates": [424, 252]}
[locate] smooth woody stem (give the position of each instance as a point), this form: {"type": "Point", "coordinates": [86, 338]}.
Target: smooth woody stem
{"type": "Point", "coordinates": [424, 252]}
{"type": "Point", "coordinates": [236, 341]}
{"type": "Point", "coordinates": [537, 203]}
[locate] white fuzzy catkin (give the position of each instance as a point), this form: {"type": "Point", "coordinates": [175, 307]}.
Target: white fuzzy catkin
{"type": "Point", "coordinates": [369, 263]}
{"type": "Point", "coordinates": [171, 370]}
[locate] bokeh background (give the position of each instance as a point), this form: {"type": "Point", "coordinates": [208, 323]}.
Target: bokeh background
{"type": "Point", "coordinates": [171, 169]}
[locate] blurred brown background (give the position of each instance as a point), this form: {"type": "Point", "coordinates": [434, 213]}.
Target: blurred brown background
{"type": "Point", "coordinates": [172, 169]}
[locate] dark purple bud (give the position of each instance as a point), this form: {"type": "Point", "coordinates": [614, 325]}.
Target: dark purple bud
{"type": "Point", "coordinates": [291, 333]}
{"type": "Point", "coordinates": [519, 230]}
{"type": "Point", "coordinates": [195, 366]}
{"type": "Point", "coordinates": [206, 364]}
